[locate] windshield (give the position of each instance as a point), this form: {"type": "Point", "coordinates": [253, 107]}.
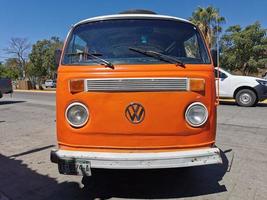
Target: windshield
{"type": "Point", "coordinates": [112, 39]}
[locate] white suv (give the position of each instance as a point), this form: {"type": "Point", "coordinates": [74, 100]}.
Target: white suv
{"type": "Point", "coordinates": [50, 83]}
{"type": "Point", "coordinates": [246, 90]}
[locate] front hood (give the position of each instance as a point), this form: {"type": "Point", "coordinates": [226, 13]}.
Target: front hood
{"type": "Point", "coordinates": [109, 126]}
{"type": "Point", "coordinates": [249, 78]}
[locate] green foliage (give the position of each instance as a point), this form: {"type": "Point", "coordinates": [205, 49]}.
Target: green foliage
{"type": "Point", "coordinates": [244, 49]}
{"type": "Point", "coordinates": [1, 70]}
{"type": "Point", "coordinates": [208, 20]}
{"type": "Point", "coordinates": [42, 58]}
{"type": "Point", "coordinates": [10, 69]}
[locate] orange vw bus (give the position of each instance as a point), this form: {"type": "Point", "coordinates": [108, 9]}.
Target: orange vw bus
{"type": "Point", "coordinates": [135, 91]}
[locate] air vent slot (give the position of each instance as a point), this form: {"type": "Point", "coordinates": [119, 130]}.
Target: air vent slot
{"type": "Point", "coordinates": [137, 84]}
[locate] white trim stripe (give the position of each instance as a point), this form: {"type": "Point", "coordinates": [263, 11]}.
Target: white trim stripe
{"type": "Point", "coordinates": [131, 16]}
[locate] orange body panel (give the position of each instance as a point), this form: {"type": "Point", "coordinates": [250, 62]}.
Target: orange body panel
{"type": "Point", "coordinates": [164, 127]}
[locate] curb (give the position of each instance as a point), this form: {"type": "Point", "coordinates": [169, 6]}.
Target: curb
{"type": "Point", "coordinates": [53, 92]}
{"type": "Point", "coordinates": [232, 100]}
{"type": "Point", "coordinates": [36, 91]}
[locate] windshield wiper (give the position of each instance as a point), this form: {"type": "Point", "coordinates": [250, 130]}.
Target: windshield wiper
{"type": "Point", "coordinates": [97, 59]}
{"type": "Point", "coordinates": [159, 56]}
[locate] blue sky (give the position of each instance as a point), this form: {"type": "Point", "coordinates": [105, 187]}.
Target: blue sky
{"type": "Point", "coordinates": [40, 19]}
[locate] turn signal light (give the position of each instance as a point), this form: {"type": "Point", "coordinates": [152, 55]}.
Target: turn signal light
{"type": "Point", "coordinates": [197, 84]}
{"type": "Point", "coordinates": [76, 86]}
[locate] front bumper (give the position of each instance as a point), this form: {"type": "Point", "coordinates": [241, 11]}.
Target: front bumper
{"type": "Point", "coordinates": [261, 92]}
{"type": "Point", "coordinates": [139, 160]}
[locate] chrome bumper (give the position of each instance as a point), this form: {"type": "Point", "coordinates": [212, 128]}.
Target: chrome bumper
{"type": "Point", "coordinates": [140, 160]}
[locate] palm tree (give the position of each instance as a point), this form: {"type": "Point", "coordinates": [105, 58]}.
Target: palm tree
{"type": "Point", "coordinates": [208, 20]}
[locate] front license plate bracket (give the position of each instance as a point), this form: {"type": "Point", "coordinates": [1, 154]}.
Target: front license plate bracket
{"type": "Point", "coordinates": [74, 167]}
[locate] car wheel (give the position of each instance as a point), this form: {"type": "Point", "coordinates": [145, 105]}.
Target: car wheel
{"type": "Point", "coordinates": [246, 98]}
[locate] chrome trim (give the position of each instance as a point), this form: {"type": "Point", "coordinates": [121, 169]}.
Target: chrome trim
{"type": "Point", "coordinates": [66, 114]}
{"type": "Point", "coordinates": [188, 84]}
{"type": "Point", "coordinates": [131, 16]}
{"type": "Point", "coordinates": [206, 111]}
{"type": "Point", "coordinates": [137, 84]}
{"type": "Point", "coordinates": [148, 160]}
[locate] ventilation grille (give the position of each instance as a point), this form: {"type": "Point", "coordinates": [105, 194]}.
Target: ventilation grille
{"type": "Point", "coordinates": [137, 84]}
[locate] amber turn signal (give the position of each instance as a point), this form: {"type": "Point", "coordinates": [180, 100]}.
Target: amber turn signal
{"type": "Point", "coordinates": [197, 84]}
{"type": "Point", "coordinates": [76, 86]}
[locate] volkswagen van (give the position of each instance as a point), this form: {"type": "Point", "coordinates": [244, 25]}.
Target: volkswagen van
{"type": "Point", "coordinates": [135, 91]}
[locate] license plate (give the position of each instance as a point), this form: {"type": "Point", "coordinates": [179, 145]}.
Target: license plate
{"type": "Point", "coordinates": [75, 167]}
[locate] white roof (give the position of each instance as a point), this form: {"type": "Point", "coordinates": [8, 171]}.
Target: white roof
{"type": "Point", "coordinates": [133, 16]}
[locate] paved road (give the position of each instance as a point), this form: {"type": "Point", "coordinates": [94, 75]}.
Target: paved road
{"type": "Point", "coordinates": [27, 134]}
{"type": "Point", "coordinates": [41, 98]}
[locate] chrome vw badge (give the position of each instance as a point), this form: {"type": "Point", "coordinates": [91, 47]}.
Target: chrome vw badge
{"type": "Point", "coordinates": [135, 113]}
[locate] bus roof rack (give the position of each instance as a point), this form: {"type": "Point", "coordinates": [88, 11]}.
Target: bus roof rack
{"type": "Point", "coordinates": [138, 11]}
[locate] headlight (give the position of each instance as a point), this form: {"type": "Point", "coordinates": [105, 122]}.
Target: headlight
{"type": "Point", "coordinates": [196, 114]}
{"type": "Point", "coordinates": [262, 82]}
{"type": "Point", "coordinates": [77, 114]}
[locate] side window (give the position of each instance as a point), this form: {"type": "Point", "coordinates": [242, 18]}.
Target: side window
{"type": "Point", "coordinates": [221, 74]}
{"type": "Point", "coordinates": [80, 44]}
{"type": "Point", "coordinates": [77, 45]}
{"type": "Point", "coordinates": [192, 48]}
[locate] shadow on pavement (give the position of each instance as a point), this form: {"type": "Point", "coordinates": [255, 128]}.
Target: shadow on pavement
{"type": "Point", "coordinates": [32, 151]}
{"type": "Point", "coordinates": [229, 103]}
{"type": "Point", "coordinates": [10, 102]}
{"type": "Point", "coordinates": [156, 184]}
{"type": "Point", "coordinates": [18, 181]}
{"type": "Point", "coordinates": [261, 105]}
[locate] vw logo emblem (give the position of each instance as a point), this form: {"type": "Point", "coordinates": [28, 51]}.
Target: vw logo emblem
{"type": "Point", "coordinates": [135, 113]}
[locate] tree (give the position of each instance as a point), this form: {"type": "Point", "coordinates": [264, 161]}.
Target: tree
{"type": "Point", "coordinates": [208, 20]}
{"type": "Point", "coordinates": [42, 58]}
{"type": "Point", "coordinates": [10, 69]}
{"type": "Point", "coordinates": [244, 49]}
{"type": "Point", "coordinates": [1, 70]}
{"type": "Point", "coordinates": [19, 48]}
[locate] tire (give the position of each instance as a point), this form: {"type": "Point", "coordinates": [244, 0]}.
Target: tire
{"type": "Point", "coordinates": [246, 98]}
{"type": "Point", "coordinates": [1, 95]}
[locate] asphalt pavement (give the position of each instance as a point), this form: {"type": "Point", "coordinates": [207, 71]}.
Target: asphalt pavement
{"type": "Point", "coordinates": [27, 134]}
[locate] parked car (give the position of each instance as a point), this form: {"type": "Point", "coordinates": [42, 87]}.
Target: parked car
{"type": "Point", "coordinates": [50, 83]}
{"type": "Point", "coordinates": [246, 90]}
{"type": "Point", "coordinates": [5, 86]}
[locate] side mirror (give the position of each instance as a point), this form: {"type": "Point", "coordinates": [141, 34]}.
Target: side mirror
{"type": "Point", "coordinates": [214, 57]}
{"type": "Point", "coordinates": [223, 76]}
{"type": "Point", "coordinates": [57, 57]}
